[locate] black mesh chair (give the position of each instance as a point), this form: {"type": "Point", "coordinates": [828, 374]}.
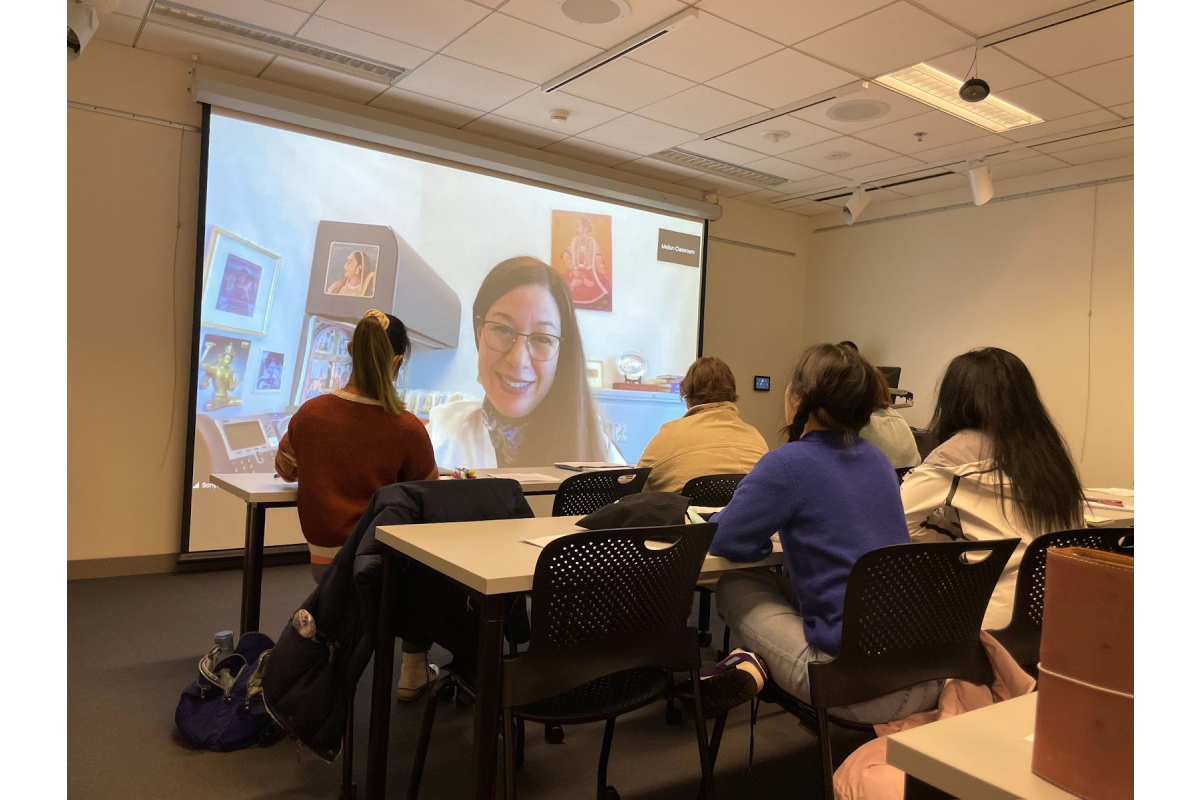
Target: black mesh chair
{"type": "Point", "coordinates": [710, 490]}
{"type": "Point", "coordinates": [609, 627]}
{"type": "Point", "coordinates": [591, 491]}
{"type": "Point", "coordinates": [902, 471]}
{"type": "Point", "coordinates": [913, 613]}
{"type": "Point", "coordinates": [1023, 635]}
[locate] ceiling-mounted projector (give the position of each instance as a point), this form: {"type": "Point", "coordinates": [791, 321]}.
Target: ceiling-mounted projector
{"type": "Point", "coordinates": [82, 21]}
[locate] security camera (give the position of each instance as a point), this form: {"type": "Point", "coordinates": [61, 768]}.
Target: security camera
{"type": "Point", "coordinates": [854, 205]}
{"type": "Point", "coordinates": [82, 21]}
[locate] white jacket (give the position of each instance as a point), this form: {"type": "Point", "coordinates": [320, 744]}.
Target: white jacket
{"type": "Point", "coordinates": [955, 495]}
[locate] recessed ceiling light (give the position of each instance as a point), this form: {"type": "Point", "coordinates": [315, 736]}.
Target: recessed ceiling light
{"type": "Point", "coordinates": [939, 90]}
{"type": "Point", "coordinates": [776, 136]}
{"type": "Point", "coordinates": [857, 110]}
{"type": "Point", "coordinates": [837, 155]}
{"type": "Point", "coordinates": [593, 12]}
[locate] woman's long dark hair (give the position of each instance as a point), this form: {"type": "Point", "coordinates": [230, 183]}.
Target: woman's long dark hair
{"type": "Point", "coordinates": [837, 386]}
{"type": "Point", "coordinates": [566, 424]}
{"type": "Point", "coordinates": [991, 390]}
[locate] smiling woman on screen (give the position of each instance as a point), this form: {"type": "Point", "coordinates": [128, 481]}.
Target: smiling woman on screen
{"type": "Point", "coordinates": [538, 408]}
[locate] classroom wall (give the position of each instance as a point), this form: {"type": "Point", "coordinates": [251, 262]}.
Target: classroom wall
{"type": "Point", "coordinates": [1021, 275]}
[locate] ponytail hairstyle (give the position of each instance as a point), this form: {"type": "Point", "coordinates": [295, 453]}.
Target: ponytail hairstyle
{"type": "Point", "coordinates": [378, 339]}
{"type": "Point", "coordinates": [837, 386]}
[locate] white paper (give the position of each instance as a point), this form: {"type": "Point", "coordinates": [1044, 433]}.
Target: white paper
{"type": "Point", "coordinates": [585, 465]}
{"type": "Point", "coordinates": [526, 477]}
{"type": "Point", "coordinates": [1113, 492]}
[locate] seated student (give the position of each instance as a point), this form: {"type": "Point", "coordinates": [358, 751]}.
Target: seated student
{"type": "Point", "coordinates": [341, 448]}
{"type": "Point", "coordinates": [889, 431]}
{"type": "Point", "coordinates": [710, 439]}
{"type": "Point", "coordinates": [832, 497]}
{"type": "Point", "coordinates": [999, 469]}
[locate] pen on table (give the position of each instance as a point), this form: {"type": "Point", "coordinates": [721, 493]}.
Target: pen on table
{"type": "Point", "coordinates": [1105, 502]}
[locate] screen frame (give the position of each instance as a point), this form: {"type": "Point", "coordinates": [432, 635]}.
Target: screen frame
{"type": "Point", "coordinates": [297, 553]}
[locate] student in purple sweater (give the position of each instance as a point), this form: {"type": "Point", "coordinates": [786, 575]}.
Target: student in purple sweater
{"type": "Point", "coordinates": [832, 497]}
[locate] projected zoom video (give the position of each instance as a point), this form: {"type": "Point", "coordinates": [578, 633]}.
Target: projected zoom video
{"type": "Point", "coordinates": [546, 327]}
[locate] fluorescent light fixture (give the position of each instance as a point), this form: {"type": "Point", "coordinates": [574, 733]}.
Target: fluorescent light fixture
{"type": "Point", "coordinates": [939, 90]}
{"type": "Point", "coordinates": [651, 34]}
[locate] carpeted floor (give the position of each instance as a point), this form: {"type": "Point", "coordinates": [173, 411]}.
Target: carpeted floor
{"type": "Point", "coordinates": [133, 645]}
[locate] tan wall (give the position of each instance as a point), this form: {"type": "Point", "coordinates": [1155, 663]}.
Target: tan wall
{"type": "Point", "coordinates": [914, 293]}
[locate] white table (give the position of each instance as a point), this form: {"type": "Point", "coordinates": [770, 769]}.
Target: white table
{"type": "Point", "coordinates": [263, 490]}
{"type": "Point", "coordinates": [983, 754]}
{"type": "Point", "coordinates": [492, 561]}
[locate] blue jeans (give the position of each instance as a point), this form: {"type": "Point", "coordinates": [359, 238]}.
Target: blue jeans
{"type": "Point", "coordinates": [759, 605]}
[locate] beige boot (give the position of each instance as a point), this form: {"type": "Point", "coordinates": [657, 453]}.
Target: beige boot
{"type": "Point", "coordinates": [416, 673]}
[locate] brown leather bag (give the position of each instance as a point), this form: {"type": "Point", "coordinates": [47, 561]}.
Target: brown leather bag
{"type": "Point", "coordinates": [1083, 736]}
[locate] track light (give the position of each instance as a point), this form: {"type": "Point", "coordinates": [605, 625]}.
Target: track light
{"type": "Point", "coordinates": [980, 176]}
{"type": "Point", "coordinates": [854, 206]}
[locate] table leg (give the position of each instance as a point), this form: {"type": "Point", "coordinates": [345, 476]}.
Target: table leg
{"type": "Point", "coordinates": [381, 687]}
{"type": "Point", "coordinates": [487, 696]}
{"type": "Point", "coordinates": [252, 566]}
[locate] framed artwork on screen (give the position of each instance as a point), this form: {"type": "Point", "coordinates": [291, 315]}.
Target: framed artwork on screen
{"type": "Point", "coordinates": [270, 372]}
{"type": "Point", "coordinates": [239, 284]}
{"type": "Point", "coordinates": [581, 251]}
{"type": "Point", "coordinates": [352, 269]}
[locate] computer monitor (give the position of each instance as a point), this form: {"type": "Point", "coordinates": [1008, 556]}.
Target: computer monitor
{"type": "Point", "coordinates": [893, 376]}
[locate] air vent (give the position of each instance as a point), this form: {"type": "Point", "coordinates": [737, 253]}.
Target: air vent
{"type": "Point", "coordinates": [195, 21]}
{"type": "Point", "coordinates": [715, 167]}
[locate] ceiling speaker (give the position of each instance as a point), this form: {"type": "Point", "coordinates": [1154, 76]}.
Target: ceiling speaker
{"type": "Point", "coordinates": [974, 90]}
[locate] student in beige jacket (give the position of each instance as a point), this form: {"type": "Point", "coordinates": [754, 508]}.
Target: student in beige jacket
{"type": "Point", "coordinates": [710, 439]}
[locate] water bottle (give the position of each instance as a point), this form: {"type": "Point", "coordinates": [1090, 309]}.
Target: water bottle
{"type": "Point", "coordinates": [224, 640]}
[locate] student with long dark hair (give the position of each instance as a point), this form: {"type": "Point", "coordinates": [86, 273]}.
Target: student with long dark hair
{"type": "Point", "coordinates": [537, 407]}
{"type": "Point", "coordinates": [999, 469]}
{"type": "Point", "coordinates": [832, 497]}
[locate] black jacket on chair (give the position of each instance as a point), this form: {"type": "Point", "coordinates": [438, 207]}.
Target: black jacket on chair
{"type": "Point", "coordinates": [309, 683]}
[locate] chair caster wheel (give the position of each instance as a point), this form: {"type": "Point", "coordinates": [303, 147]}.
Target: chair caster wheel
{"type": "Point", "coordinates": [674, 715]}
{"type": "Point", "coordinates": [554, 734]}
{"type": "Point", "coordinates": [447, 692]}
{"type": "Point", "coordinates": [609, 793]}
{"type": "Point", "coordinates": [705, 638]}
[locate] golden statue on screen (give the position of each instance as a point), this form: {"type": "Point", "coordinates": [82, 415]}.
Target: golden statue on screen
{"type": "Point", "coordinates": [221, 376]}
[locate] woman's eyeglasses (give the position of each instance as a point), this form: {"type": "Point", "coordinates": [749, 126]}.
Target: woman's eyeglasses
{"type": "Point", "coordinates": [501, 338]}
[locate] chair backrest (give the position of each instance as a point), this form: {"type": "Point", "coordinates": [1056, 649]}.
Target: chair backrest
{"type": "Point", "coordinates": [1023, 635]}
{"type": "Point", "coordinates": [606, 601]}
{"type": "Point", "coordinates": [902, 471]}
{"type": "Point", "coordinates": [913, 613]}
{"type": "Point", "coordinates": [712, 490]}
{"type": "Point", "coordinates": [591, 491]}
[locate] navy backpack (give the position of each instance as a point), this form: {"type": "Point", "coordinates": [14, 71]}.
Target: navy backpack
{"type": "Point", "coordinates": [223, 708]}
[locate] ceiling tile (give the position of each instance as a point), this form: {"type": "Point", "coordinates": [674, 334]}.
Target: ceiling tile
{"type": "Point", "coordinates": [363, 43]}
{"type": "Point", "coordinates": [881, 196]}
{"type": "Point", "coordinates": [701, 109]}
{"type": "Point", "coordinates": [418, 22]}
{"type": "Point", "coordinates": [464, 84]}
{"type": "Point", "coordinates": [137, 8]}
{"type": "Point", "coordinates": [256, 12]}
{"type": "Point", "coordinates": [1047, 99]}
{"type": "Point", "coordinates": [982, 17]}
{"type": "Point", "coordinates": [789, 21]}
{"type": "Point", "coordinates": [943, 183]}
{"type": "Point", "coordinates": [1084, 42]}
{"type": "Point", "coordinates": [722, 151]}
{"type": "Point", "coordinates": [964, 148]}
{"type": "Point", "coordinates": [1124, 110]}
{"type": "Point", "coordinates": [784, 169]}
{"type": "Point", "coordinates": [799, 134]}
{"type": "Point", "coordinates": [1097, 152]}
{"type": "Point", "coordinates": [704, 49]}
{"type": "Point", "coordinates": [1000, 71]}
{"type": "Point", "coordinates": [490, 3]}
{"type": "Point", "coordinates": [718, 183]}
{"type": "Point", "coordinates": [429, 109]}
{"type": "Point", "coordinates": [659, 170]}
{"type": "Point", "coordinates": [637, 134]}
{"type": "Point", "coordinates": [517, 48]}
{"type": "Point", "coordinates": [643, 14]}
{"type": "Point", "coordinates": [590, 152]}
{"type": "Point", "coordinates": [509, 130]}
{"type": "Point", "coordinates": [759, 196]}
{"type": "Point", "coordinates": [118, 28]}
{"type": "Point", "coordinates": [810, 185]}
{"type": "Point", "coordinates": [1026, 166]}
{"type": "Point", "coordinates": [781, 78]}
{"type": "Point", "coordinates": [861, 154]}
{"type": "Point", "coordinates": [895, 107]}
{"type": "Point", "coordinates": [940, 130]}
{"type": "Point", "coordinates": [1107, 84]}
{"type": "Point", "coordinates": [885, 40]}
{"type": "Point", "coordinates": [1064, 125]}
{"type": "Point", "coordinates": [1016, 154]}
{"type": "Point", "coordinates": [303, 5]}
{"type": "Point", "coordinates": [810, 209]}
{"type": "Point", "coordinates": [212, 52]}
{"type": "Point", "coordinates": [1091, 138]}
{"type": "Point", "coordinates": [627, 85]}
{"type": "Point", "coordinates": [534, 108]}
{"type": "Point", "coordinates": [893, 166]}
{"type": "Point", "coordinates": [303, 75]}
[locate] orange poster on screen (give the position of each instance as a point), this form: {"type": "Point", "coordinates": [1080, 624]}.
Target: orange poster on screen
{"type": "Point", "coordinates": [581, 248]}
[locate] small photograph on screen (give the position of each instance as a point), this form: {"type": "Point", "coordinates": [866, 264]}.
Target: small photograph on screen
{"type": "Point", "coordinates": [584, 246]}
{"type": "Point", "coordinates": [270, 372]}
{"type": "Point", "coordinates": [239, 286]}
{"type": "Point", "coordinates": [222, 367]}
{"type": "Point", "coordinates": [352, 269]}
